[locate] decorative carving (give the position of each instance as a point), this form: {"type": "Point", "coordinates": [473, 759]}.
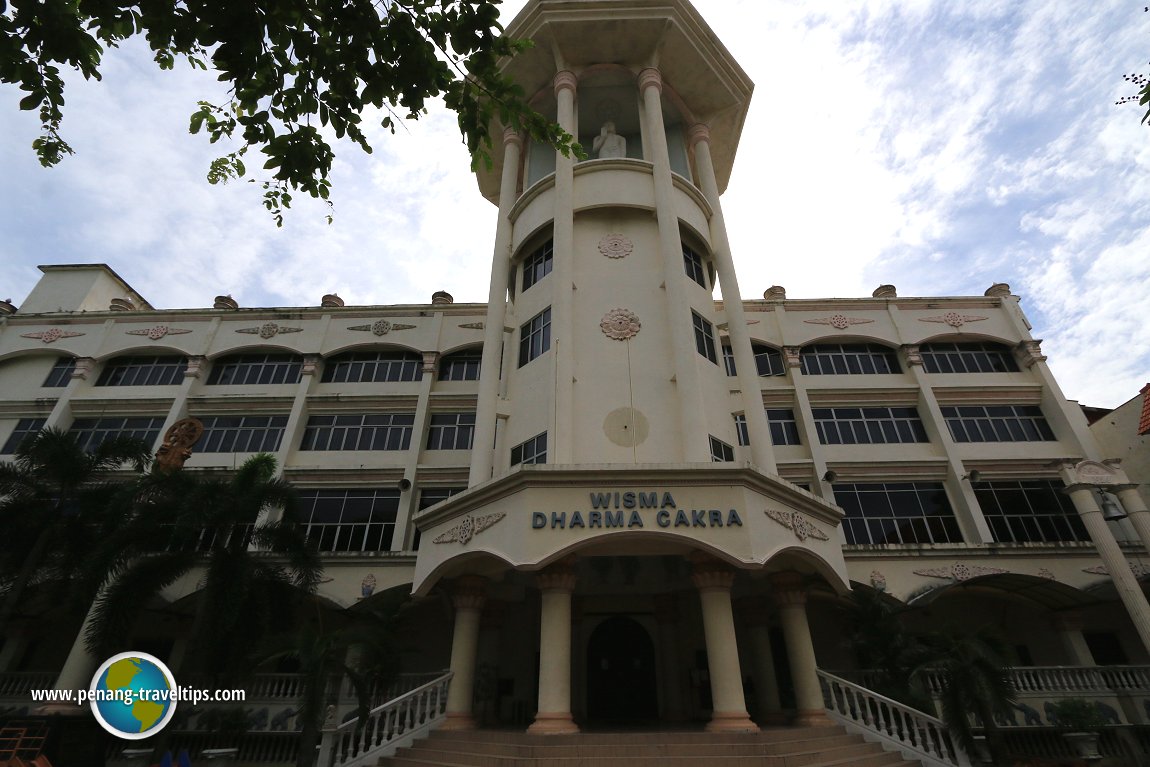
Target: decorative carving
{"type": "Point", "coordinates": [620, 324]}
{"type": "Point", "coordinates": [796, 523]}
{"type": "Point", "coordinates": [913, 354]}
{"type": "Point", "coordinates": [177, 446]}
{"type": "Point", "coordinates": [468, 528]}
{"type": "Point", "coordinates": [1137, 568]}
{"type": "Point", "coordinates": [1094, 473]}
{"type": "Point", "coordinates": [85, 366]}
{"type": "Point", "coordinates": [1031, 352]}
{"type": "Point", "coordinates": [468, 592]}
{"type": "Point", "coordinates": [381, 327]}
{"type": "Point", "coordinates": [51, 335]}
{"type": "Point", "coordinates": [839, 321]}
{"type": "Point", "coordinates": [616, 245]}
{"type": "Point", "coordinates": [367, 586]}
{"type": "Point", "coordinates": [954, 319]}
{"type": "Point", "coordinates": [1047, 574]}
{"type": "Point", "coordinates": [310, 364]}
{"type": "Point", "coordinates": [156, 332]}
{"type": "Point", "coordinates": [473, 325]}
{"type": "Point", "coordinates": [877, 580]}
{"type": "Point", "coordinates": [959, 571]}
{"type": "Point", "coordinates": [794, 356]}
{"type": "Point", "coordinates": [195, 366]}
{"type": "Point", "coordinates": [788, 589]}
{"type": "Point", "coordinates": [269, 330]}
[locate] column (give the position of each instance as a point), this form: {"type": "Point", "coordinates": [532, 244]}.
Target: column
{"type": "Point", "coordinates": [482, 456]}
{"type": "Point", "coordinates": [401, 538]}
{"type": "Point", "coordinates": [1069, 628]}
{"type": "Point", "coordinates": [79, 667]}
{"type": "Point", "coordinates": [762, 452]}
{"type": "Point", "coordinates": [695, 446]}
{"type": "Point", "coordinates": [1082, 495]}
{"type": "Point", "coordinates": [554, 715]}
{"type": "Point", "coordinates": [563, 284]}
{"type": "Point", "coordinates": [85, 366]}
{"type": "Point", "coordinates": [666, 615]}
{"type": "Point", "coordinates": [791, 599]}
{"type": "Point", "coordinates": [1136, 510]}
{"type": "Point", "coordinates": [467, 597]}
{"type": "Point", "coordinates": [729, 711]}
{"type": "Point", "coordinates": [756, 614]}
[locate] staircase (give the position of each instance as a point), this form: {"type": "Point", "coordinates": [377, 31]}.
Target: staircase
{"type": "Point", "coordinates": [828, 746]}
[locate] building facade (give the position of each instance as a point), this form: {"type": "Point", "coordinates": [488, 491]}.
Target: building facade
{"type": "Point", "coordinates": [615, 498]}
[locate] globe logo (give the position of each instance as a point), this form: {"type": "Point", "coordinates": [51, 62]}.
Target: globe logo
{"type": "Point", "coordinates": [133, 695]}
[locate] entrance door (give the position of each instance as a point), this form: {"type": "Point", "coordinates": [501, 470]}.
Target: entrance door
{"type": "Point", "coordinates": [621, 673]}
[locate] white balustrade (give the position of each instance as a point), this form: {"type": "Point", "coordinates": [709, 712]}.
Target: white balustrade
{"type": "Point", "coordinates": [387, 727]}
{"type": "Point", "coordinates": [915, 734]}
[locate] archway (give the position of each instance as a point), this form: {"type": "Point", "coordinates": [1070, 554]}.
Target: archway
{"type": "Point", "coordinates": [621, 673]}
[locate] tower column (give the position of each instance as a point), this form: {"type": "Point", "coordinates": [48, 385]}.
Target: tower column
{"type": "Point", "coordinates": [467, 597]}
{"type": "Point", "coordinates": [791, 598]}
{"type": "Point", "coordinates": [554, 715]}
{"type": "Point", "coordinates": [729, 711]}
{"type": "Point", "coordinates": [695, 446]}
{"type": "Point", "coordinates": [482, 456]}
{"type": "Point", "coordinates": [762, 451]}
{"type": "Point", "coordinates": [562, 438]}
{"type": "Point", "coordinates": [1082, 496]}
{"type": "Point", "coordinates": [757, 617]}
{"type": "Point", "coordinates": [1136, 510]}
{"type": "Point", "coordinates": [666, 617]}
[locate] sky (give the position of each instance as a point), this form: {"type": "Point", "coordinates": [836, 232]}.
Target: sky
{"type": "Point", "coordinates": [937, 145]}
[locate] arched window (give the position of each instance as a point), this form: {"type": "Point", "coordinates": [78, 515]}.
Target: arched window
{"type": "Point", "coordinates": [373, 367]}
{"type": "Point", "coordinates": [967, 357]}
{"type": "Point", "coordinates": [768, 361]}
{"type": "Point", "coordinates": [241, 369]}
{"type": "Point", "coordinates": [848, 359]}
{"type": "Point", "coordinates": [462, 365]}
{"type": "Point", "coordinates": [153, 370]}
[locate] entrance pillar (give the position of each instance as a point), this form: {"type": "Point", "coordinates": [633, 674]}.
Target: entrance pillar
{"type": "Point", "coordinates": [554, 715]}
{"type": "Point", "coordinates": [467, 597]}
{"type": "Point", "coordinates": [791, 597]}
{"type": "Point", "coordinates": [713, 580]}
{"type": "Point", "coordinates": [667, 617]}
{"type": "Point", "coordinates": [756, 614]}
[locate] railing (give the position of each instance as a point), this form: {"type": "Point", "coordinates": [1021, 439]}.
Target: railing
{"type": "Point", "coordinates": [289, 687]}
{"type": "Point", "coordinates": [16, 684]}
{"type": "Point", "coordinates": [1041, 679]}
{"type": "Point", "coordinates": [386, 728]}
{"type": "Point", "coordinates": [917, 735]}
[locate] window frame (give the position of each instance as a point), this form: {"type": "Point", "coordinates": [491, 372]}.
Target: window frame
{"type": "Point", "coordinates": [395, 434]}
{"type": "Point", "coordinates": [456, 434]}
{"type": "Point", "coordinates": [834, 358]}
{"type": "Point", "coordinates": [376, 366]}
{"type": "Point", "coordinates": [704, 337]}
{"type": "Point", "coordinates": [537, 444]}
{"type": "Point", "coordinates": [972, 357]}
{"type": "Point", "coordinates": [262, 433]}
{"type": "Point", "coordinates": [535, 337]}
{"type": "Point", "coordinates": [860, 528]}
{"type": "Point", "coordinates": [1027, 423]}
{"type": "Point", "coordinates": [269, 369]}
{"type": "Point", "coordinates": [538, 264]}
{"type": "Point", "coordinates": [694, 267]}
{"type": "Point", "coordinates": [894, 425]}
{"type": "Point", "coordinates": [331, 536]}
{"type": "Point", "coordinates": [155, 369]}
{"type": "Point", "coordinates": [465, 360]}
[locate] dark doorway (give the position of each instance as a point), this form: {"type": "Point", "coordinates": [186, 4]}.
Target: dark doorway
{"type": "Point", "coordinates": [621, 673]}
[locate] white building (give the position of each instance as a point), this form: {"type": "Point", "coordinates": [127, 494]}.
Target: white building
{"type": "Point", "coordinates": [641, 504]}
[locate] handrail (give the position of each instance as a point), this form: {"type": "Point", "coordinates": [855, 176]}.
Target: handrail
{"type": "Point", "coordinates": [917, 735]}
{"type": "Point", "coordinates": [386, 727]}
{"type": "Point", "coordinates": [1035, 680]}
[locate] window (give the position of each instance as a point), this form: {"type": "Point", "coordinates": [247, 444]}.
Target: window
{"type": "Point", "coordinates": [768, 361]}
{"type": "Point", "coordinates": [848, 359]}
{"type": "Point", "coordinates": [246, 369]}
{"type": "Point", "coordinates": [997, 423]}
{"type": "Point", "coordinates": [90, 433]}
{"type": "Point", "coordinates": [349, 520]}
{"type": "Point", "coordinates": [1029, 511]}
{"type": "Point", "coordinates": [693, 265]}
{"type": "Point", "coordinates": [967, 358]}
{"type": "Point", "coordinates": [61, 373]}
{"type": "Point", "coordinates": [241, 433]}
{"type": "Point", "coordinates": [388, 431]}
{"type": "Point", "coordinates": [451, 431]}
{"type": "Point", "coordinates": [25, 427]}
{"type": "Point", "coordinates": [428, 497]}
{"type": "Point", "coordinates": [143, 371]}
{"type": "Point", "coordinates": [868, 425]}
{"type": "Point", "coordinates": [460, 366]}
{"type": "Point", "coordinates": [533, 450]}
{"type": "Point", "coordinates": [373, 367]}
{"type": "Point", "coordinates": [781, 422]}
{"type": "Point", "coordinates": [897, 512]}
{"type": "Point", "coordinates": [704, 338]}
{"type": "Point", "coordinates": [538, 264]}
{"type": "Point", "coordinates": [535, 337]}
{"type": "Point", "coordinates": [721, 452]}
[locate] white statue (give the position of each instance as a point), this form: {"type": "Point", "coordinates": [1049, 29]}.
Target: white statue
{"type": "Point", "coordinates": [609, 143]}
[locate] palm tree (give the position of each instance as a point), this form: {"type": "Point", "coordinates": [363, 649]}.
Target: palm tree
{"type": "Point", "coordinates": [56, 500]}
{"type": "Point", "coordinates": [183, 521]}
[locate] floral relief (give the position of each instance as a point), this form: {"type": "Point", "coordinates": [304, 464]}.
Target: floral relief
{"type": "Point", "coordinates": [620, 324]}
{"type": "Point", "coordinates": [616, 246]}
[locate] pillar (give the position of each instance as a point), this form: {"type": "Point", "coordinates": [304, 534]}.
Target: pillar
{"type": "Point", "coordinates": [467, 597]}
{"type": "Point", "coordinates": [791, 599]}
{"type": "Point", "coordinates": [1069, 628]}
{"type": "Point", "coordinates": [762, 451]}
{"type": "Point", "coordinates": [561, 439]}
{"type": "Point", "coordinates": [729, 711]}
{"type": "Point", "coordinates": [757, 617]}
{"type": "Point", "coordinates": [554, 714]}
{"type": "Point", "coordinates": [666, 616]}
{"type": "Point", "coordinates": [79, 668]}
{"type": "Point", "coordinates": [696, 449]}
{"type": "Point", "coordinates": [1136, 510]}
{"type": "Point", "coordinates": [482, 455]}
{"type": "Point", "coordinates": [1082, 495]}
